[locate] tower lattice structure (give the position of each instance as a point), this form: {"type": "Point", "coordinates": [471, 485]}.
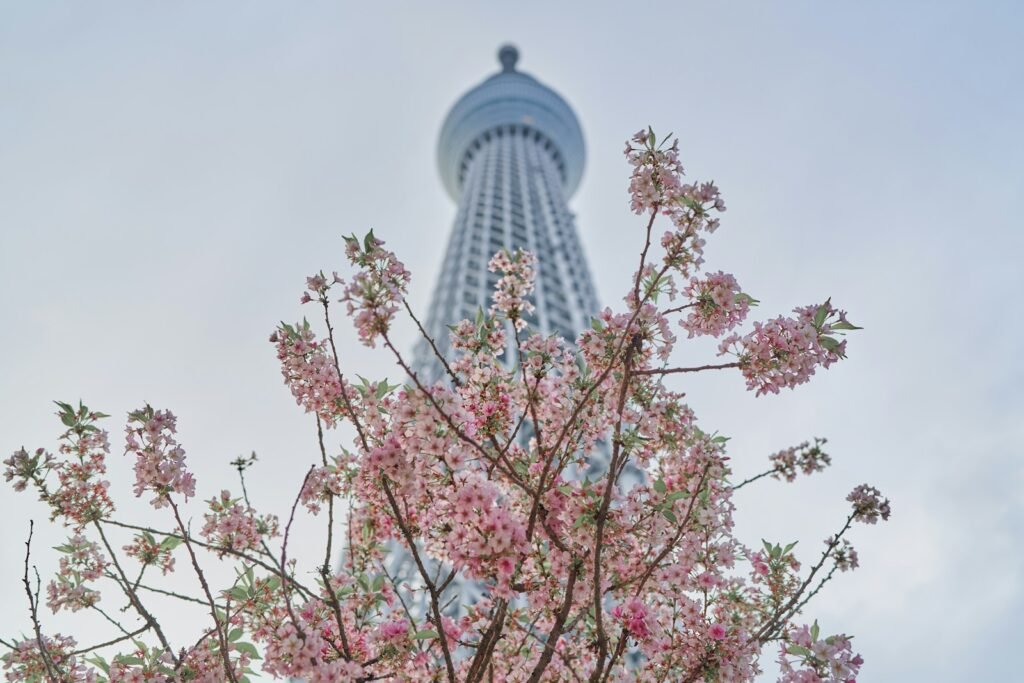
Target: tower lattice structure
{"type": "Point", "coordinates": [511, 154]}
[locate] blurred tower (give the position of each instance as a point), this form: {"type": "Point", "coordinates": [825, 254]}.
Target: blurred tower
{"type": "Point", "coordinates": [511, 155]}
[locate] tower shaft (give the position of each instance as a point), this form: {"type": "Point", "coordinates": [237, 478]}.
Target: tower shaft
{"type": "Point", "coordinates": [512, 197]}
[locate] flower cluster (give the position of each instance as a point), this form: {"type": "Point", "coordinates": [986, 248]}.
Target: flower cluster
{"type": "Point", "coordinates": [233, 526]}
{"type": "Point", "coordinates": [81, 495]}
{"type": "Point", "coordinates": [516, 283]}
{"type": "Point", "coordinates": [321, 484]}
{"type": "Point", "coordinates": [656, 181]}
{"type": "Point", "coordinates": [81, 564]}
{"type": "Point", "coordinates": [317, 287]}
{"type": "Point", "coordinates": [868, 504]}
{"type": "Point", "coordinates": [806, 658]}
{"type": "Point", "coordinates": [308, 369]}
{"type": "Point", "coordinates": [844, 555]}
{"type": "Point", "coordinates": [633, 616]}
{"type": "Point", "coordinates": [159, 459]}
{"type": "Point", "coordinates": [201, 663]}
{"type": "Point", "coordinates": [26, 662]}
{"type": "Point", "coordinates": [785, 352]}
{"type": "Point", "coordinates": [376, 290]}
{"type": "Point", "coordinates": [717, 305]}
{"type": "Point", "coordinates": [151, 552]}
{"type": "Point", "coordinates": [24, 469]}
{"type": "Point", "coordinates": [807, 458]}
{"type": "Point", "coordinates": [656, 186]}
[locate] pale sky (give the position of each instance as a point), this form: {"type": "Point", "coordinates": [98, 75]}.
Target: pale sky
{"type": "Point", "coordinates": [170, 173]}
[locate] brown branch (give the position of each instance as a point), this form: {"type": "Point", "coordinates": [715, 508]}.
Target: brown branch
{"type": "Point", "coordinates": [751, 480]}
{"type": "Point", "coordinates": [621, 645]}
{"type": "Point", "coordinates": [218, 549]}
{"type": "Point", "coordinates": [556, 629]}
{"type": "Point", "coordinates": [679, 533]}
{"type": "Point", "coordinates": [431, 588]}
{"type": "Point", "coordinates": [614, 469]}
{"type": "Point", "coordinates": [699, 368]}
{"type": "Point", "coordinates": [133, 597]}
{"type": "Point", "coordinates": [678, 309]}
{"type": "Point", "coordinates": [172, 594]}
{"type": "Point", "coordinates": [507, 470]}
{"type": "Point", "coordinates": [221, 629]}
{"type": "Point", "coordinates": [485, 648]}
{"type": "Point", "coordinates": [786, 612]}
{"type": "Point", "coordinates": [433, 346]}
{"type": "Point", "coordinates": [284, 555]}
{"type": "Point", "coordinates": [325, 569]}
{"type": "Point", "coordinates": [115, 641]}
{"type": "Point", "coordinates": [643, 257]}
{"type": "Point", "coordinates": [605, 373]}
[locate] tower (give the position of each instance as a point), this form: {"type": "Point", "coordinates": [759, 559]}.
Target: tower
{"type": "Point", "coordinates": [511, 155]}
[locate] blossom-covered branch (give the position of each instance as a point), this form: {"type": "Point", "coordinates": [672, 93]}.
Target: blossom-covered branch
{"type": "Point", "coordinates": [550, 510]}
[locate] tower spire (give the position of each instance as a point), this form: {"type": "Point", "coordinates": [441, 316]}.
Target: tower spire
{"type": "Point", "coordinates": [508, 55]}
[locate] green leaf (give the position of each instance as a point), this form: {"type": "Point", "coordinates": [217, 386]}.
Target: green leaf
{"type": "Point", "coordinates": [659, 486]}
{"type": "Point", "coordinates": [829, 343]}
{"type": "Point", "coordinates": [815, 630]}
{"type": "Point", "coordinates": [368, 241]}
{"type": "Point", "coordinates": [669, 515]}
{"type": "Point", "coordinates": [96, 660]}
{"type": "Point", "coordinates": [248, 648]}
{"type": "Point", "coordinates": [378, 583]}
{"type": "Point", "coordinates": [170, 543]}
{"type": "Point", "coordinates": [798, 650]}
{"type": "Point", "coordinates": [844, 325]}
{"type": "Point", "coordinates": [676, 495]}
{"type": "Point", "coordinates": [235, 634]}
{"type": "Point", "coordinates": [820, 315]}
{"type": "Point", "coordinates": [423, 635]}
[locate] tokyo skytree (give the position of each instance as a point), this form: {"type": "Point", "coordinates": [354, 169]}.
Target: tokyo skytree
{"type": "Point", "coordinates": [511, 155]}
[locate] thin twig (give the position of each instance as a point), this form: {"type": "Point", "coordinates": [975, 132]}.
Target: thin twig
{"type": "Point", "coordinates": [33, 601]}
{"type": "Point", "coordinates": [699, 368]}
{"type": "Point", "coordinates": [142, 629]}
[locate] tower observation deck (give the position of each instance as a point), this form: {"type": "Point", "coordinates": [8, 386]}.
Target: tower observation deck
{"type": "Point", "coordinates": [510, 154]}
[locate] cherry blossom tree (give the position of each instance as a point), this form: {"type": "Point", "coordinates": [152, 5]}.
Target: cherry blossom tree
{"type": "Point", "coordinates": [507, 475]}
